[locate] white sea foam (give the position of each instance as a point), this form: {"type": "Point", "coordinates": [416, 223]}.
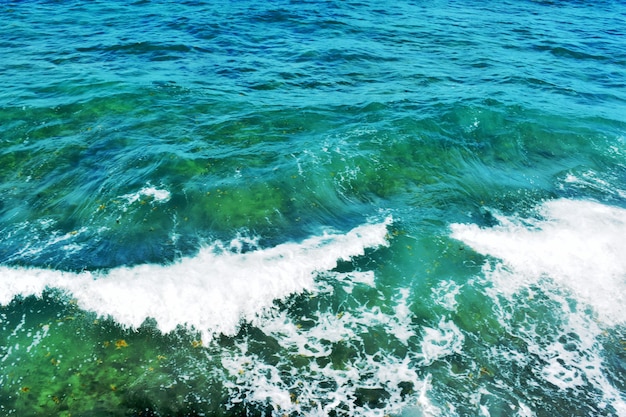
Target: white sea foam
{"type": "Point", "coordinates": [591, 180]}
{"type": "Point", "coordinates": [319, 386]}
{"type": "Point", "coordinates": [572, 252]}
{"type": "Point", "coordinates": [445, 293]}
{"type": "Point", "coordinates": [320, 390]}
{"type": "Point", "coordinates": [441, 341]}
{"type": "Point", "coordinates": [211, 292]}
{"type": "Point", "coordinates": [155, 194]}
{"type": "Point", "coordinates": [578, 244]}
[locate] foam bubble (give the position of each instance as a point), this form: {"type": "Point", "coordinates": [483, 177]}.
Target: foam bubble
{"type": "Point", "coordinates": [211, 292]}
{"type": "Point", "coordinates": [155, 194]}
{"type": "Point", "coordinates": [441, 341]}
{"type": "Point", "coordinates": [445, 293]}
{"type": "Point", "coordinates": [578, 244]}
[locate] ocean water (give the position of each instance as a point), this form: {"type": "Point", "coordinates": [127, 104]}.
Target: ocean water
{"type": "Point", "coordinates": [312, 208]}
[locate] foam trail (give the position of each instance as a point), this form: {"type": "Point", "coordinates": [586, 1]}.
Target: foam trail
{"type": "Point", "coordinates": [211, 292]}
{"type": "Point", "coordinates": [578, 244]}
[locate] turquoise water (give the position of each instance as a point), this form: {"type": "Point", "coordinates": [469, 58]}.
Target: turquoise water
{"type": "Point", "coordinates": [312, 208]}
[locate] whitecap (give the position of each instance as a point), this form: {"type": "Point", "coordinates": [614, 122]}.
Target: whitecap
{"type": "Point", "coordinates": [572, 254]}
{"type": "Point", "coordinates": [576, 243]}
{"type": "Point", "coordinates": [154, 194]}
{"type": "Point", "coordinates": [211, 292]}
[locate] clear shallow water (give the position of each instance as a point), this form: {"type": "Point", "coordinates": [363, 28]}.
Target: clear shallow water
{"type": "Point", "coordinates": [312, 209]}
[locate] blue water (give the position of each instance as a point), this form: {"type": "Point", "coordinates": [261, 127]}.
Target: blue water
{"type": "Point", "coordinates": [312, 208]}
